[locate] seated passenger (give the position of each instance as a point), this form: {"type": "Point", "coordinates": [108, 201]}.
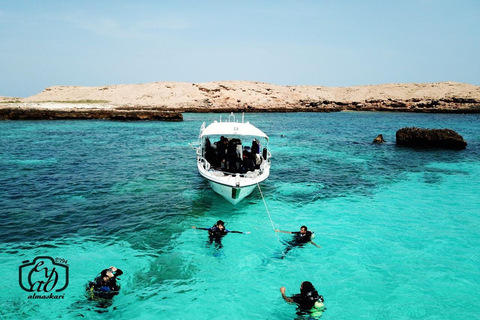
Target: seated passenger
{"type": "Point", "coordinates": [255, 146]}
{"type": "Point", "coordinates": [210, 155]}
{"type": "Point", "coordinates": [248, 161]}
{"type": "Point", "coordinates": [233, 159]}
{"type": "Point", "coordinates": [221, 152]}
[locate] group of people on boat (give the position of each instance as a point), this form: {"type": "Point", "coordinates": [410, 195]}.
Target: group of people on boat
{"type": "Point", "coordinates": [308, 300]}
{"type": "Point", "coordinates": [228, 155]}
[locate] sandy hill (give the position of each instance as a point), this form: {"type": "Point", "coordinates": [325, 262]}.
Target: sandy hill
{"type": "Point", "coordinates": [228, 96]}
{"type": "Point", "coordinates": [255, 94]}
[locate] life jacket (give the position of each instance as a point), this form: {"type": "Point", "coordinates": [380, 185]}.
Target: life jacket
{"type": "Point", "coordinates": [214, 231]}
{"type": "Point", "coordinates": [309, 300]}
{"type": "Point", "coordinates": [303, 237]}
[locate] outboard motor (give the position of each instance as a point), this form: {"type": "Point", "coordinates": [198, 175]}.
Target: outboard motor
{"type": "Point", "coordinates": [264, 153]}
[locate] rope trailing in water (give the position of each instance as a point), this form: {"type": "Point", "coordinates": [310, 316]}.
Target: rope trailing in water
{"type": "Point", "coordinates": [269, 216]}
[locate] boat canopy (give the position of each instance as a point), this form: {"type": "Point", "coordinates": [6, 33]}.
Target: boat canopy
{"type": "Point", "coordinates": [233, 129]}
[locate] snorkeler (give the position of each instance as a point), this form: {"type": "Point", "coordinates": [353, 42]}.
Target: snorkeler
{"type": "Point", "coordinates": [105, 285]}
{"type": "Point", "coordinates": [300, 238]}
{"type": "Point", "coordinates": [308, 300]}
{"type": "Point", "coordinates": [217, 231]}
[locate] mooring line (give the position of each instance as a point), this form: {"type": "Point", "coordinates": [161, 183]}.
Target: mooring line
{"type": "Point", "coordinates": [269, 216]}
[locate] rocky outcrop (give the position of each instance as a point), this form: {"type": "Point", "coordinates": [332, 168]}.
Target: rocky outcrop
{"type": "Point", "coordinates": [225, 96]}
{"type": "Point", "coordinates": [118, 115]}
{"type": "Point", "coordinates": [248, 96]}
{"type": "Point", "coordinates": [438, 138]}
{"type": "Point", "coordinates": [379, 139]}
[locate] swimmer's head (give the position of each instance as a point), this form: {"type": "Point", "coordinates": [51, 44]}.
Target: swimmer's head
{"type": "Point", "coordinates": [306, 287]}
{"type": "Point", "coordinates": [107, 274]}
{"type": "Point", "coordinates": [303, 229]}
{"type": "Point", "coordinates": [220, 224]}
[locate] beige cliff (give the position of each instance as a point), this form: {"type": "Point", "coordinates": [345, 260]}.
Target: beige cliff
{"type": "Point", "coordinates": [255, 96]}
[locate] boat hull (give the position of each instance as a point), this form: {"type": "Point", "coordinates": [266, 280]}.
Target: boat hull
{"type": "Point", "coordinates": [231, 194]}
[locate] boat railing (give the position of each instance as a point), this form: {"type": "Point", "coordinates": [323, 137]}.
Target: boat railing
{"type": "Point", "coordinates": [194, 145]}
{"type": "Point", "coordinates": [206, 164]}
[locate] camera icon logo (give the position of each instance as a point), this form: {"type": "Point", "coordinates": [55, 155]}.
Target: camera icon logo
{"type": "Point", "coordinates": [43, 274]}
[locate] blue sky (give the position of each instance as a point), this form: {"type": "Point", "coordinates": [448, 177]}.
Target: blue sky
{"type": "Point", "coordinates": [296, 42]}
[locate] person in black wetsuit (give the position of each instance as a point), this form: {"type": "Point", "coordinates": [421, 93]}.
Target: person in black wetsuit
{"type": "Point", "coordinates": [217, 231]}
{"type": "Point", "coordinates": [299, 239]}
{"type": "Point", "coordinates": [221, 153]}
{"type": "Point", "coordinates": [105, 285]}
{"type": "Point", "coordinates": [308, 300]}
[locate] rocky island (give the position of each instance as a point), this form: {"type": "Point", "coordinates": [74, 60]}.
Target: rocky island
{"type": "Point", "coordinates": [168, 100]}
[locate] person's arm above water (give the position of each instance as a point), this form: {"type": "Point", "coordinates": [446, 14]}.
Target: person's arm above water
{"type": "Point", "coordinates": [228, 231]}
{"type": "Point", "coordinates": [117, 271]}
{"type": "Point", "coordinates": [316, 245]}
{"type": "Point", "coordinates": [282, 290]}
{"type": "Point", "coordinates": [276, 230]}
{"type": "Point", "coordinates": [201, 228]}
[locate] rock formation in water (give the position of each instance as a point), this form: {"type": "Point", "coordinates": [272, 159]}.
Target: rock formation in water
{"type": "Point", "coordinates": [438, 138]}
{"type": "Point", "coordinates": [118, 115]}
{"type": "Point", "coordinates": [379, 139]}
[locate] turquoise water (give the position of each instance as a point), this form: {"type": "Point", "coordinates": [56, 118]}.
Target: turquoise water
{"type": "Point", "coordinates": [399, 227]}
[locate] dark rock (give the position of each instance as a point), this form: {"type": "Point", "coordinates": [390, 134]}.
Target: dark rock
{"type": "Point", "coordinates": [439, 138]}
{"type": "Point", "coordinates": [379, 139]}
{"type": "Point", "coordinates": [117, 115]}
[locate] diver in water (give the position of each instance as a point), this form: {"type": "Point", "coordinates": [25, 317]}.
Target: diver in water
{"type": "Point", "coordinates": [217, 232]}
{"type": "Point", "coordinates": [300, 238]}
{"type": "Point", "coordinates": [105, 285]}
{"type": "Point", "coordinates": [308, 300]}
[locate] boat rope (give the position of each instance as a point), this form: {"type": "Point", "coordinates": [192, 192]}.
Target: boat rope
{"type": "Point", "coordinates": [263, 198]}
{"type": "Point", "coordinates": [268, 212]}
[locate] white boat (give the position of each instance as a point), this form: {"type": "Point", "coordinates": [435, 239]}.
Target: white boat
{"type": "Point", "coordinates": [233, 157]}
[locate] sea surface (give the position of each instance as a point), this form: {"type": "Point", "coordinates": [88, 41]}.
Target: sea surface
{"type": "Point", "coordinates": [399, 228]}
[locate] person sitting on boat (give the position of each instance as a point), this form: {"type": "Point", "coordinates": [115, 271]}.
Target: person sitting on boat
{"type": "Point", "coordinates": [308, 300]}
{"type": "Point", "coordinates": [210, 155]}
{"type": "Point", "coordinates": [217, 231]}
{"type": "Point", "coordinates": [248, 163]}
{"type": "Point", "coordinates": [300, 238]}
{"type": "Point", "coordinates": [221, 152]}
{"type": "Point", "coordinates": [255, 147]}
{"type": "Point", "coordinates": [233, 157]}
{"type": "Point", "coordinates": [105, 285]}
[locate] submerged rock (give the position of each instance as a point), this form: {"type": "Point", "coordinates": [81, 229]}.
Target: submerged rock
{"type": "Point", "coordinates": [379, 139]}
{"type": "Point", "coordinates": [439, 138]}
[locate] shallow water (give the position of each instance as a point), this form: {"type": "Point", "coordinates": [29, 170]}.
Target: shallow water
{"type": "Point", "coordinates": [398, 226]}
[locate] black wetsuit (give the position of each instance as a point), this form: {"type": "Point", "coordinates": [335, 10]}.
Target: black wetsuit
{"type": "Point", "coordinates": [215, 234]}
{"type": "Point", "coordinates": [306, 301]}
{"type": "Point", "coordinates": [105, 289]}
{"type": "Point", "coordinates": [299, 239]}
{"type": "Point", "coordinates": [302, 237]}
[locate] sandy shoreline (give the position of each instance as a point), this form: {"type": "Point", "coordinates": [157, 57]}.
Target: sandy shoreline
{"type": "Point", "coordinates": [152, 101]}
